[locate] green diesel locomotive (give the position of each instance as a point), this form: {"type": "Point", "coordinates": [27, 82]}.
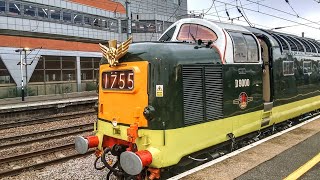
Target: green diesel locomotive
{"type": "Point", "coordinates": [204, 88]}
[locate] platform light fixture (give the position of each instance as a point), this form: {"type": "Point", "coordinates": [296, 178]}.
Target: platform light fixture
{"type": "Point", "coordinates": [23, 63]}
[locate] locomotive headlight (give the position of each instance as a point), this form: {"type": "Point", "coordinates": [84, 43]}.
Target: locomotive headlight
{"type": "Point", "coordinates": [149, 113]}
{"type": "Point", "coordinates": [114, 123]}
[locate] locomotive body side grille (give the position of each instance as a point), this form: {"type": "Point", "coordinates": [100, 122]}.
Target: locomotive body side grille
{"type": "Point", "coordinates": [193, 106]}
{"type": "Point", "coordinates": [202, 93]}
{"type": "Point", "coordinates": [214, 92]}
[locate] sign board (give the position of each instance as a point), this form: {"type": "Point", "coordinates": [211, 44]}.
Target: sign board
{"type": "Point", "coordinates": [159, 90]}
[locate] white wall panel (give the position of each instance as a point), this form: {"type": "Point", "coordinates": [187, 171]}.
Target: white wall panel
{"type": "Point", "coordinates": [63, 4]}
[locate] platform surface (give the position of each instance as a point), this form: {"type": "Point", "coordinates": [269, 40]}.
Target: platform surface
{"type": "Point", "coordinates": [276, 158]}
{"type": "Point", "coordinates": [287, 162]}
{"type": "Point", "coordinates": [34, 101]}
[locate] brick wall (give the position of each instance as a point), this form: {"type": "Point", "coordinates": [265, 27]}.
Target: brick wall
{"type": "Point", "coordinates": [21, 42]}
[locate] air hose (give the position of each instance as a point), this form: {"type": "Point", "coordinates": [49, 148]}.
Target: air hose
{"type": "Point", "coordinates": [103, 159]}
{"type": "Point", "coordinates": [95, 164]}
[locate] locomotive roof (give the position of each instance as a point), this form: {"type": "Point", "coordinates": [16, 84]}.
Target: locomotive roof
{"type": "Point", "coordinates": [223, 41]}
{"type": "Point", "coordinates": [286, 42]}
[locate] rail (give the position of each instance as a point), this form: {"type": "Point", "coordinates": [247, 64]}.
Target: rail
{"type": "Point", "coordinates": [15, 171]}
{"type": "Point", "coordinates": [44, 135]}
{"type": "Point", "coordinates": [41, 120]}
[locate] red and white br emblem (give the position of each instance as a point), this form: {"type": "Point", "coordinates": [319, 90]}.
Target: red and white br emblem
{"type": "Point", "coordinates": [243, 100]}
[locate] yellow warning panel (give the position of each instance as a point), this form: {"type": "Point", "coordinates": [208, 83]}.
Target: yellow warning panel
{"type": "Point", "coordinates": [159, 90]}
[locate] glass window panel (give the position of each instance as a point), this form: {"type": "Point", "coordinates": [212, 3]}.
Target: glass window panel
{"type": "Point", "coordinates": [68, 62]}
{"type": "Point", "coordinates": [86, 63]}
{"type": "Point", "coordinates": [55, 14]}
{"type": "Point", "coordinates": [87, 75]}
{"type": "Point", "coordinates": [96, 74]}
{"type": "Point", "coordinates": [168, 35]}
{"type": "Point", "coordinates": [307, 68]}
{"type": "Point", "coordinates": [159, 26]}
{"type": "Point", "coordinates": [141, 27]}
{"type": "Point", "coordinates": [288, 68]}
{"type": "Point", "coordinates": [134, 27]}
{"type": "Point", "coordinates": [2, 66]}
{"type": "Point", "coordinates": [97, 22]}
{"type": "Point", "coordinates": [239, 47]}
{"type": "Point", "coordinates": [77, 19]}
{"type": "Point", "coordinates": [66, 16]}
{"type": "Point", "coordinates": [5, 77]}
{"type": "Point", "coordinates": [43, 12]}
{"type": "Point", "coordinates": [124, 26]}
{"type": "Point", "coordinates": [37, 76]}
{"type": "Point", "coordinates": [205, 34]}
{"type": "Point", "coordinates": [68, 75]}
{"type": "Point", "coordinates": [96, 62]}
{"type": "Point", "coordinates": [40, 64]}
{"type": "Point", "coordinates": [252, 48]}
{"type": "Point", "coordinates": [189, 32]}
{"type": "Point", "coordinates": [113, 24]}
{"type": "Point", "coordinates": [87, 20]}
{"type": "Point", "coordinates": [52, 62]}
{"type": "Point", "coordinates": [29, 10]}
{"type": "Point", "coordinates": [184, 33]}
{"type": "Point", "coordinates": [2, 6]}
{"type": "Point", "coordinates": [14, 8]}
{"type": "Point", "coordinates": [151, 27]}
{"type": "Point", "coordinates": [53, 75]}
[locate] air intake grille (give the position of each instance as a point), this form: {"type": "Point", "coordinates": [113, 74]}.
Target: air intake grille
{"type": "Point", "coordinates": [193, 95]}
{"type": "Point", "coordinates": [202, 93]}
{"type": "Point", "coordinates": [214, 92]}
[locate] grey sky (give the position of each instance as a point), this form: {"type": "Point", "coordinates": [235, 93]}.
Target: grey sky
{"type": "Point", "coordinates": [308, 9]}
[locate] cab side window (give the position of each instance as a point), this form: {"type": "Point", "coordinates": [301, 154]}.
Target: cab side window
{"type": "Point", "coordinates": [168, 35]}
{"type": "Point", "coordinates": [245, 48]}
{"type": "Point", "coordinates": [191, 32]}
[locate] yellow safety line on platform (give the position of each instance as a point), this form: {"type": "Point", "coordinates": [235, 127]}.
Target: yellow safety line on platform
{"type": "Point", "coordinates": [303, 169]}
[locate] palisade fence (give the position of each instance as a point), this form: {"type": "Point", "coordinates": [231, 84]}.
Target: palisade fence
{"type": "Point", "coordinates": [47, 89]}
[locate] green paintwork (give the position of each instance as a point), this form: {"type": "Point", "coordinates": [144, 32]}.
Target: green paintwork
{"type": "Point", "coordinates": [166, 60]}
{"type": "Point", "coordinates": [287, 89]}
{"type": "Point", "coordinates": [165, 69]}
{"type": "Point", "coordinates": [169, 146]}
{"type": "Point", "coordinates": [231, 73]}
{"type": "Point", "coordinates": [299, 86]}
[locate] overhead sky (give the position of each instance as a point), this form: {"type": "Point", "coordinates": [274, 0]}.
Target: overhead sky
{"type": "Point", "coordinates": [302, 11]}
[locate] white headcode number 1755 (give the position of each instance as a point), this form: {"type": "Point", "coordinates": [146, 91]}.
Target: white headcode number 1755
{"type": "Point", "coordinates": [122, 80]}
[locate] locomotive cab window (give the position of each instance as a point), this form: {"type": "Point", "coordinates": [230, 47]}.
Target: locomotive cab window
{"type": "Point", "coordinates": [245, 48]}
{"type": "Point", "coordinates": [168, 35]}
{"type": "Point", "coordinates": [191, 32]}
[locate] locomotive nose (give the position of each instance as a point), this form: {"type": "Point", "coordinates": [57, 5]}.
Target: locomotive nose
{"type": "Point", "coordinates": [133, 163]}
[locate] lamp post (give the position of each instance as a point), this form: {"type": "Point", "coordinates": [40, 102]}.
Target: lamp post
{"type": "Point", "coordinates": [25, 64]}
{"type": "Point", "coordinates": [128, 16]}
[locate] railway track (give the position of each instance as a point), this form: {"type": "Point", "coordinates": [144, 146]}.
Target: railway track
{"type": "Point", "coordinates": [14, 170]}
{"type": "Point", "coordinates": [40, 120]}
{"type": "Point", "coordinates": [11, 141]}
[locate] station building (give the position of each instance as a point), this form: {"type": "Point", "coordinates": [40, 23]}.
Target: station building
{"type": "Point", "coordinates": [63, 35]}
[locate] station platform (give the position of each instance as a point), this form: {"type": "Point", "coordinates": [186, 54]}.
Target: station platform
{"type": "Point", "coordinates": [33, 102]}
{"type": "Point", "coordinates": [291, 154]}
